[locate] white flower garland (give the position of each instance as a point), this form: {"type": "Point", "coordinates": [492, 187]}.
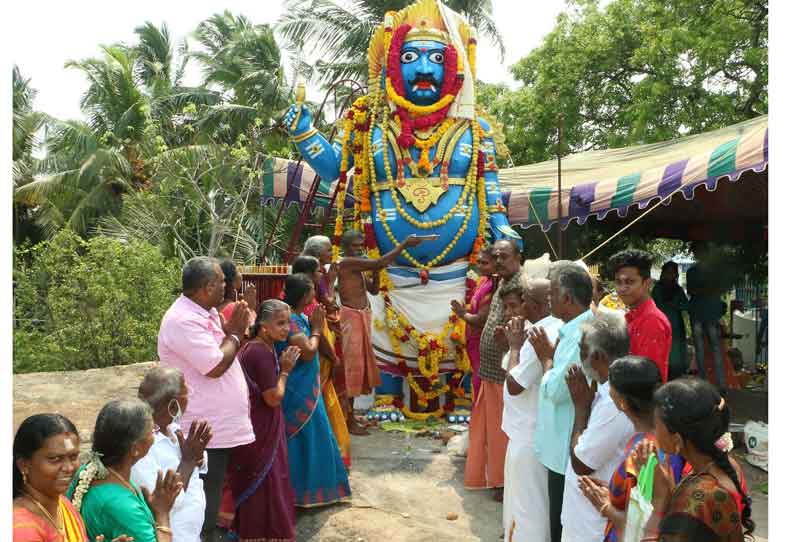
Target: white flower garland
{"type": "Point", "coordinates": [94, 469]}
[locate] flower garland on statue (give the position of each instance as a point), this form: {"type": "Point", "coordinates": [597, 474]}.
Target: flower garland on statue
{"type": "Point", "coordinates": [357, 137]}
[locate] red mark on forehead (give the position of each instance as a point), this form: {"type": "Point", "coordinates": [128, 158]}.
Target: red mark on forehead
{"type": "Point", "coordinates": [423, 49]}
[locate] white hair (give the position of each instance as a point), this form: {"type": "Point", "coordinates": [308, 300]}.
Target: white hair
{"type": "Point", "coordinates": [315, 245]}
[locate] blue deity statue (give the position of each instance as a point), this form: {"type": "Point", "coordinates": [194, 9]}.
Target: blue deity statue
{"type": "Point", "coordinates": [429, 154]}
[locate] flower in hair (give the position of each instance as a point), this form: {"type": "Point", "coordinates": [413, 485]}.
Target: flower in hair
{"type": "Point", "coordinates": [725, 442]}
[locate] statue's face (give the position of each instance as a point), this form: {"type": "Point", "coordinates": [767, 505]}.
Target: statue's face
{"type": "Point", "coordinates": [422, 67]}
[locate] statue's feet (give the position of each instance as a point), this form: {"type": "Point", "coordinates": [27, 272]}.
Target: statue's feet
{"type": "Point", "coordinates": [457, 416]}
{"type": "Point", "coordinates": [461, 413]}
{"type": "Point", "coordinates": [386, 413]}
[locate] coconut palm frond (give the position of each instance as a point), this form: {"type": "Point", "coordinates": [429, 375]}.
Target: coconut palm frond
{"type": "Point", "coordinates": [154, 56]}
{"type": "Point", "coordinates": [232, 116]}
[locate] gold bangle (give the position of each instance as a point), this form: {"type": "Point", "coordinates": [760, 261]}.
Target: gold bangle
{"type": "Point", "coordinates": [304, 136]}
{"type": "Point", "coordinates": [601, 511]}
{"type": "Point", "coordinates": [164, 529]}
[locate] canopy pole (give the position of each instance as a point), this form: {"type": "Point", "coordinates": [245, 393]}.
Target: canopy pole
{"type": "Point", "coordinates": [559, 186]}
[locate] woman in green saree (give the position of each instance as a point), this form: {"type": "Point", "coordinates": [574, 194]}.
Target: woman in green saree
{"type": "Point", "coordinates": [111, 505]}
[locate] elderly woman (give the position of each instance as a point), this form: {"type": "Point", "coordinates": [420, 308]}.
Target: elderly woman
{"type": "Point", "coordinates": [258, 475]}
{"type": "Point", "coordinates": [102, 492]}
{"type": "Point", "coordinates": [46, 447]}
{"type": "Point", "coordinates": [710, 504]}
{"type": "Point", "coordinates": [164, 389]}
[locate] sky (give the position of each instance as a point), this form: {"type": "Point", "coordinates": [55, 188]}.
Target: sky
{"type": "Point", "coordinates": [45, 35]}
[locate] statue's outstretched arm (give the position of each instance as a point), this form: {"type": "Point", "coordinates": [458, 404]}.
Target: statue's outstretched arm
{"type": "Point", "coordinates": [497, 213]}
{"type": "Point", "coordinates": [322, 156]}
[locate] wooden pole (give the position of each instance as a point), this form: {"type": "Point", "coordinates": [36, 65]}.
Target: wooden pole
{"type": "Point", "coordinates": [560, 252]}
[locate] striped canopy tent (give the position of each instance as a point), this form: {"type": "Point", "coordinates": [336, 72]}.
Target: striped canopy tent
{"type": "Point", "coordinates": [291, 180]}
{"type": "Point", "coordinates": [595, 183]}
{"type": "Point", "coordinates": [626, 181]}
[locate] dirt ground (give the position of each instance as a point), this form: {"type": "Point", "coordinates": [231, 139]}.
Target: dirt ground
{"type": "Point", "coordinates": [404, 486]}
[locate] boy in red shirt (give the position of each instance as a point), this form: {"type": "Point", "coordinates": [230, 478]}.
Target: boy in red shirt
{"type": "Point", "coordinates": [650, 331]}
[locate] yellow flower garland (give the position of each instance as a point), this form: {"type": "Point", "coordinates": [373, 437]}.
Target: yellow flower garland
{"type": "Point", "coordinates": [471, 180]}
{"type": "Point", "coordinates": [413, 108]}
{"type": "Point", "coordinates": [433, 346]}
{"type": "Point", "coordinates": [424, 145]}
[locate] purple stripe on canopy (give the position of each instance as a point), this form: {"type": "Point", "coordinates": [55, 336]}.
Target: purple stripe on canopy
{"type": "Point", "coordinates": [294, 176]}
{"type": "Point", "coordinates": [582, 197]}
{"type": "Point", "coordinates": [671, 180]}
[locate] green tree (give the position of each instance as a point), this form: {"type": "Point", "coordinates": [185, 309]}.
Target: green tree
{"type": "Point", "coordinates": [82, 304]}
{"type": "Point", "coordinates": [243, 61]}
{"type": "Point", "coordinates": [637, 71]}
{"type": "Point", "coordinates": [340, 33]}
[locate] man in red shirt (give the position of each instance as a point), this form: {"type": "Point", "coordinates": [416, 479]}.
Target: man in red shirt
{"type": "Point", "coordinates": [649, 330]}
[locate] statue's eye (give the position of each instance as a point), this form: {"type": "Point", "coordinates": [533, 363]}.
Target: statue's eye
{"type": "Point", "coordinates": [408, 56]}
{"type": "Point", "coordinates": [437, 58]}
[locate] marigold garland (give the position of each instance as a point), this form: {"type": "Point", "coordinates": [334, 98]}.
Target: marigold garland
{"type": "Point", "coordinates": [358, 132]}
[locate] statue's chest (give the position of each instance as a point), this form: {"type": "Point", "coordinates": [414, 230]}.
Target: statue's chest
{"type": "Point", "coordinates": [420, 177]}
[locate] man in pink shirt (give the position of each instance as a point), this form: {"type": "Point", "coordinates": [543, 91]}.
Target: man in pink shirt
{"type": "Point", "coordinates": [193, 340]}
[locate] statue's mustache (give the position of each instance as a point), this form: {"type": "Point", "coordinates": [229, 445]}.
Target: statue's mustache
{"type": "Point", "coordinates": [424, 81]}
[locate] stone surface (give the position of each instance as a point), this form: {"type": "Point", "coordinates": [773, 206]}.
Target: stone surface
{"type": "Point", "coordinates": [403, 488]}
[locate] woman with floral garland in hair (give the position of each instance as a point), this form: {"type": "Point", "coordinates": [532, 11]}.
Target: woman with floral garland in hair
{"type": "Point", "coordinates": [111, 505]}
{"type": "Point", "coordinates": [711, 504]}
{"type": "Point", "coordinates": [480, 305]}
{"type": "Point", "coordinates": [317, 472]}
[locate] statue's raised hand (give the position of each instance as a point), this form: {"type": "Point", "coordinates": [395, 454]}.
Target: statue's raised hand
{"type": "Point", "coordinates": [500, 228]}
{"type": "Point", "coordinates": [304, 122]}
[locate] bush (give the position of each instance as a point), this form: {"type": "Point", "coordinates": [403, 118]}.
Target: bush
{"type": "Point", "coordinates": [84, 304]}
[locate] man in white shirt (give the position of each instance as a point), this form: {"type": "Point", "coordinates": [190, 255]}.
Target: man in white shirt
{"type": "Point", "coordinates": [600, 430]}
{"type": "Point", "coordinates": [165, 391]}
{"type": "Point", "coordinates": [525, 512]}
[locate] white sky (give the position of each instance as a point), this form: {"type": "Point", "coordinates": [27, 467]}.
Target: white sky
{"type": "Point", "coordinates": [43, 37]}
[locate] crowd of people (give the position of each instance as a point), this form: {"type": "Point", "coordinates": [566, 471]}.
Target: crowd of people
{"type": "Point", "coordinates": [250, 411]}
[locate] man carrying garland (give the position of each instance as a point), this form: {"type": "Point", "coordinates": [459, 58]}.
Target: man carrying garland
{"type": "Point", "coordinates": [424, 163]}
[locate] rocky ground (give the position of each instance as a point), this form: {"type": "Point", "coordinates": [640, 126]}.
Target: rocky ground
{"type": "Point", "coordinates": [406, 487]}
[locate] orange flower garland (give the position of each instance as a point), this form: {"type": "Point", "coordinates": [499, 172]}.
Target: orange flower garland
{"type": "Point", "coordinates": [358, 131]}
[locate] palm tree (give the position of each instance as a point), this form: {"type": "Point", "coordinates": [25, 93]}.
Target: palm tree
{"type": "Point", "coordinates": [26, 124]}
{"type": "Point", "coordinates": [341, 34]}
{"type": "Point", "coordinates": [243, 61]}
{"type": "Point", "coordinates": [133, 105]}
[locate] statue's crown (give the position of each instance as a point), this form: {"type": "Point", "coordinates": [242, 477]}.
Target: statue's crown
{"type": "Point", "coordinates": [426, 27]}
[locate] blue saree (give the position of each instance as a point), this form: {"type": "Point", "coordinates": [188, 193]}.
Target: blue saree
{"type": "Point", "coordinates": [316, 469]}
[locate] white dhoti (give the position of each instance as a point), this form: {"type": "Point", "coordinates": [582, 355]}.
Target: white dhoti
{"type": "Point", "coordinates": [426, 306]}
{"type": "Point", "coordinates": [525, 511]}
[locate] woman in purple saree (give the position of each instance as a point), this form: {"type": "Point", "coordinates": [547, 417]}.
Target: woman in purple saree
{"type": "Point", "coordinates": [258, 473]}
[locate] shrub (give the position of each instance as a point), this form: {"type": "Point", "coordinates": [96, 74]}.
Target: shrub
{"type": "Point", "coordinates": [84, 304]}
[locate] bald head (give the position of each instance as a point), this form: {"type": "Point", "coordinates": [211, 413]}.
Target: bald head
{"type": "Point", "coordinates": [536, 297]}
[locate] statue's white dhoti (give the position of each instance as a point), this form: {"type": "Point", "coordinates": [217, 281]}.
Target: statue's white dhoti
{"type": "Point", "coordinates": [427, 307]}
